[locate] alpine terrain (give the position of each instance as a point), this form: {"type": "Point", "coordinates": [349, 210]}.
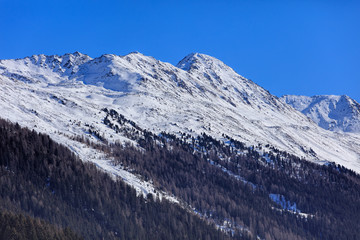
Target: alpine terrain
{"type": "Point", "coordinates": [185, 152]}
{"type": "Point", "coordinates": [334, 113]}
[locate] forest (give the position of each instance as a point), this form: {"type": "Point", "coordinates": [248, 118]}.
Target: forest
{"type": "Point", "coordinates": [40, 179]}
{"type": "Point", "coordinates": [19, 226]}
{"type": "Point", "coordinates": [227, 190]}
{"type": "Point", "coordinates": [230, 182]}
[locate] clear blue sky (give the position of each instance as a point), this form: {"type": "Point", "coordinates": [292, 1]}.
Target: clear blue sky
{"type": "Point", "coordinates": [303, 47]}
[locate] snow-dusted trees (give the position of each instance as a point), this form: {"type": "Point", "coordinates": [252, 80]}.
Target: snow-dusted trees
{"type": "Point", "coordinates": [43, 179]}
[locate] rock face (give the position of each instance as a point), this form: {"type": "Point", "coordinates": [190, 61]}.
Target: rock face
{"type": "Point", "coordinates": [334, 113]}
{"type": "Point", "coordinates": [61, 95]}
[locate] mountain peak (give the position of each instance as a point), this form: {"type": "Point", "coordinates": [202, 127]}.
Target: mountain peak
{"type": "Point", "coordinates": [77, 55]}
{"type": "Point", "coordinates": [135, 53]}
{"type": "Point", "coordinates": [331, 112]}
{"type": "Point", "coordinates": [138, 57]}
{"type": "Point", "coordinates": [194, 60]}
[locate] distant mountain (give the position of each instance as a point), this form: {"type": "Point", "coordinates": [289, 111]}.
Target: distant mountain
{"type": "Point", "coordinates": [334, 113]}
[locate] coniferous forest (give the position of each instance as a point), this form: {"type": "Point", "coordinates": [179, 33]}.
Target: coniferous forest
{"type": "Point", "coordinates": [234, 183]}
{"type": "Point", "coordinates": [19, 226]}
{"type": "Point", "coordinates": [249, 194]}
{"type": "Point", "coordinates": [42, 179]}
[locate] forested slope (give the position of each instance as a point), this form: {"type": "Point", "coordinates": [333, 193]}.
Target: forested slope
{"type": "Point", "coordinates": [20, 227]}
{"type": "Point", "coordinates": [246, 192]}
{"type": "Point", "coordinates": [273, 195]}
{"type": "Point", "coordinates": [43, 179]}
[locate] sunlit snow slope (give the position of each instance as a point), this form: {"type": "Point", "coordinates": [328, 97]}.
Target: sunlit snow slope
{"type": "Point", "coordinates": [335, 113]}
{"type": "Point", "coordinates": [65, 94]}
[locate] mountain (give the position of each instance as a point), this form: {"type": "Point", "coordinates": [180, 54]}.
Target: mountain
{"type": "Point", "coordinates": [61, 95]}
{"type": "Point", "coordinates": [194, 145]}
{"type": "Point", "coordinates": [221, 186]}
{"type": "Point", "coordinates": [334, 113]}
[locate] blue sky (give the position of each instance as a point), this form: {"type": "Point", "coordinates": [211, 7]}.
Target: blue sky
{"type": "Point", "coordinates": [305, 47]}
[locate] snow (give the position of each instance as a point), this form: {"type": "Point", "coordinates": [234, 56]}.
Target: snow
{"type": "Point", "coordinates": [280, 200]}
{"type": "Point", "coordinates": [225, 225]}
{"type": "Point", "coordinates": [105, 163]}
{"type": "Point", "coordinates": [287, 205]}
{"type": "Point", "coordinates": [64, 111]}
{"type": "Point", "coordinates": [63, 95]}
{"type": "Point", "coordinates": [331, 112]}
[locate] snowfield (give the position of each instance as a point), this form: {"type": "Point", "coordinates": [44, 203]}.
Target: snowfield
{"type": "Point", "coordinates": [63, 96]}
{"type": "Point", "coordinates": [331, 112]}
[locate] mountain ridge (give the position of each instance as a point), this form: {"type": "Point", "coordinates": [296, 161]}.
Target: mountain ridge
{"type": "Point", "coordinates": [209, 97]}
{"type": "Point", "coordinates": [331, 112]}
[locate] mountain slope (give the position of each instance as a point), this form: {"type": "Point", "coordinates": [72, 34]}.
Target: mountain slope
{"type": "Point", "coordinates": [274, 196]}
{"type": "Point", "coordinates": [334, 113]}
{"type": "Point", "coordinates": [143, 121]}
{"type": "Point", "coordinates": [43, 179]}
{"type": "Point", "coordinates": [201, 94]}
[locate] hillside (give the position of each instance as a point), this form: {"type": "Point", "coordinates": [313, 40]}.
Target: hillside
{"type": "Point", "coordinates": [230, 187]}
{"type": "Point", "coordinates": [43, 179]}
{"type": "Point", "coordinates": [60, 95]}
{"type": "Point", "coordinates": [131, 147]}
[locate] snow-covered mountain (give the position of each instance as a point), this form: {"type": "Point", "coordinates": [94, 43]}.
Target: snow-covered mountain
{"type": "Point", "coordinates": [334, 113]}
{"type": "Point", "coordinates": [63, 95]}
